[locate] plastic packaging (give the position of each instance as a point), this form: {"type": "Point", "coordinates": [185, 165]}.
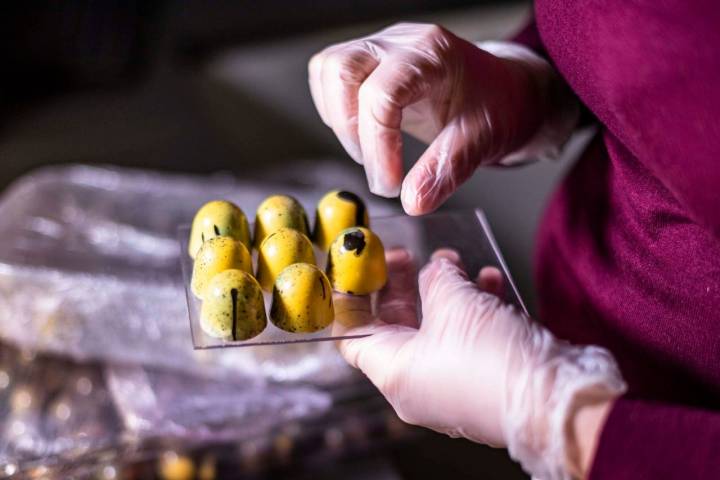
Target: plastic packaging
{"type": "Point", "coordinates": [465, 231]}
{"type": "Point", "coordinates": [161, 404]}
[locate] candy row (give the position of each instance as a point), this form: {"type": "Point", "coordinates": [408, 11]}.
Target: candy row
{"type": "Point", "coordinates": [336, 211]}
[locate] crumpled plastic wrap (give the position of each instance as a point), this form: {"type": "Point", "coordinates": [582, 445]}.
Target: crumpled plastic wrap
{"type": "Point", "coordinates": [159, 404]}
{"type": "Point", "coordinates": [59, 413]}
{"type": "Point", "coordinates": [89, 268]}
{"type": "Point", "coordinates": [98, 317]}
{"type": "Point", "coordinates": [52, 408]}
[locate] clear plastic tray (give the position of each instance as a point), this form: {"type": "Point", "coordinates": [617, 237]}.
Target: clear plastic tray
{"type": "Point", "coordinates": [466, 231]}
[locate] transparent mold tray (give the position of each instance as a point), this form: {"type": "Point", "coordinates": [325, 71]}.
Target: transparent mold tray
{"type": "Point", "coordinates": [466, 231]}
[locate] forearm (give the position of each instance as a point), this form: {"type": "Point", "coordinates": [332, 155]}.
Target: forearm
{"type": "Point", "coordinates": [584, 436]}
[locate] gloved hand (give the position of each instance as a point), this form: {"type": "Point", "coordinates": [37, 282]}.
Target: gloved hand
{"type": "Point", "coordinates": [475, 367]}
{"type": "Point", "coordinates": [473, 107]}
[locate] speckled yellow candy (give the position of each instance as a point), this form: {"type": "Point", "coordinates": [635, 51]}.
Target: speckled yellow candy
{"type": "Point", "coordinates": [302, 299]}
{"type": "Point", "coordinates": [356, 262]}
{"type": "Point", "coordinates": [217, 218]}
{"type": "Point", "coordinates": [280, 249]}
{"type": "Point", "coordinates": [276, 212]}
{"type": "Point", "coordinates": [233, 307]}
{"type": "Point", "coordinates": [336, 211]}
{"type": "Point", "coordinates": [216, 255]}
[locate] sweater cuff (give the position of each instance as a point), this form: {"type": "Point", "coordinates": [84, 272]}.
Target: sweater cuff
{"type": "Point", "coordinates": [643, 439]}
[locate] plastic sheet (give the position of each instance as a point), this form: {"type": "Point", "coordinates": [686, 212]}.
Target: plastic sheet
{"type": "Point", "coordinates": [465, 231]}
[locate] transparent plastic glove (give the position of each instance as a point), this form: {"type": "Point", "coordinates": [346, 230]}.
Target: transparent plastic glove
{"type": "Point", "coordinates": [473, 107]}
{"type": "Point", "coordinates": [476, 367]}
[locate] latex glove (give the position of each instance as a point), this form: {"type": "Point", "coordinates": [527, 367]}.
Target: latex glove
{"type": "Point", "coordinates": [473, 107]}
{"type": "Point", "coordinates": [476, 367]}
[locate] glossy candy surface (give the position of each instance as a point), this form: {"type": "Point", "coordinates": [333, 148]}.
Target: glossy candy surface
{"type": "Point", "coordinates": [336, 211]}
{"type": "Point", "coordinates": [356, 262]}
{"type": "Point", "coordinates": [279, 211]}
{"type": "Point", "coordinates": [216, 255]}
{"type": "Point", "coordinates": [218, 218]}
{"type": "Point", "coordinates": [280, 249]}
{"type": "Point", "coordinates": [233, 307]}
{"type": "Point", "coordinates": [302, 299]}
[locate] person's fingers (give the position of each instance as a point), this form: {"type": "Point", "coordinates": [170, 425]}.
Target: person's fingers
{"type": "Point", "coordinates": [448, 162]}
{"type": "Point", "coordinates": [449, 254]}
{"type": "Point", "coordinates": [352, 314]}
{"type": "Point", "coordinates": [370, 345]}
{"type": "Point", "coordinates": [378, 354]}
{"type": "Point", "coordinates": [490, 280]}
{"type": "Point", "coordinates": [444, 286]}
{"type": "Point", "coordinates": [394, 84]}
{"type": "Point", "coordinates": [397, 301]}
{"type": "Point", "coordinates": [344, 69]}
{"type": "Point", "coordinates": [374, 345]}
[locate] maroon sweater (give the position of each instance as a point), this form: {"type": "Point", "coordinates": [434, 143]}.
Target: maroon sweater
{"type": "Point", "coordinates": [629, 251]}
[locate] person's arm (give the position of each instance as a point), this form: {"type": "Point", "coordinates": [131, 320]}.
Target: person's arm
{"type": "Point", "coordinates": [529, 37]}
{"type": "Point", "coordinates": [670, 123]}
{"type": "Point", "coordinates": [586, 426]}
{"type": "Point", "coordinates": [659, 97]}
{"type": "Point", "coordinates": [631, 439]}
{"type": "Point", "coordinates": [479, 369]}
{"type": "Point", "coordinates": [642, 439]}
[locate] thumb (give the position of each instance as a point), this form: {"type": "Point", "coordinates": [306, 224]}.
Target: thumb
{"type": "Point", "coordinates": [441, 277]}
{"type": "Point", "coordinates": [445, 288]}
{"type": "Point", "coordinates": [373, 345]}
